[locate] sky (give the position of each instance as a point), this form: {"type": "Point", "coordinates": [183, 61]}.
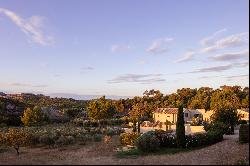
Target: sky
{"type": "Point", "coordinates": [122, 47]}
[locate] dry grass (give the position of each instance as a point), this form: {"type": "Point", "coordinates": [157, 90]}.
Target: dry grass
{"type": "Point", "coordinates": [228, 151]}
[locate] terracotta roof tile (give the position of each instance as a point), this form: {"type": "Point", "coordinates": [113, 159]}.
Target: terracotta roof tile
{"type": "Point", "coordinates": [166, 110]}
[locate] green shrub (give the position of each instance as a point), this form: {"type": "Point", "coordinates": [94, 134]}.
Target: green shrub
{"type": "Point", "coordinates": [242, 122]}
{"type": "Point", "coordinates": [82, 139]}
{"type": "Point", "coordinates": [148, 142]}
{"type": "Point", "coordinates": [97, 138]}
{"type": "Point", "coordinates": [65, 140]}
{"type": "Point", "coordinates": [217, 126]}
{"type": "Point", "coordinates": [129, 138]}
{"type": "Point", "coordinates": [244, 133]}
{"type": "Point", "coordinates": [47, 140]}
{"type": "Point", "coordinates": [166, 139]}
{"type": "Point", "coordinates": [203, 139]}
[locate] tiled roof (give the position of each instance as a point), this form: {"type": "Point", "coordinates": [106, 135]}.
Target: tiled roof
{"type": "Point", "coordinates": [166, 110]}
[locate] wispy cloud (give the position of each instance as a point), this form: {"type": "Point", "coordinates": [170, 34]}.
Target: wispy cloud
{"type": "Point", "coordinates": [88, 68]}
{"type": "Point", "coordinates": [230, 56]}
{"type": "Point", "coordinates": [159, 46]}
{"type": "Point", "coordinates": [138, 78]}
{"type": "Point", "coordinates": [212, 69]}
{"type": "Point", "coordinates": [32, 27]}
{"type": "Point", "coordinates": [187, 57]}
{"type": "Point", "coordinates": [211, 39]}
{"type": "Point", "coordinates": [235, 40]}
{"type": "Point", "coordinates": [237, 77]}
{"type": "Point", "coordinates": [119, 47]}
{"type": "Point", "coordinates": [241, 64]}
{"type": "Point", "coordinates": [27, 85]}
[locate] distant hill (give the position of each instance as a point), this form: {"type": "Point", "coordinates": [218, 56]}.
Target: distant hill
{"type": "Point", "coordinates": [86, 97]}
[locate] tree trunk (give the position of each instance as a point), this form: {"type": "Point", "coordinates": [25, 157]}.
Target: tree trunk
{"type": "Point", "coordinates": [134, 126]}
{"type": "Point", "coordinates": [17, 149]}
{"type": "Point", "coordinates": [139, 127]}
{"type": "Point", "coordinates": [232, 129]}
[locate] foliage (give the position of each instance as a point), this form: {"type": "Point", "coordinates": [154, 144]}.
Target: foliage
{"type": "Point", "coordinates": [2, 139]}
{"type": "Point", "coordinates": [166, 139]}
{"type": "Point", "coordinates": [17, 138]}
{"type": "Point", "coordinates": [244, 133]}
{"type": "Point", "coordinates": [97, 138]}
{"type": "Point", "coordinates": [107, 139]}
{"type": "Point", "coordinates": [129, 138]}
{"type": "Point", "coordinates": [216, 126]}
{"type": "Point", "coordinates": [32, 117]}
{"type": "Point", "coordinates": [242, 122]}
{"type": "Point", "coordinates": [47, 140]}
{"type": "Point", "coordinates": [228, 116]}
{"type": "Point", "coordinates": [196, 121]}
{"type": "Point", "coordinates": [203, 139]}
{"type": "Point", "coordinates": [180, 128]}
{"type": "Point", "coordinates": [148, 142]}
{"type": "Point", "coordinates": [65, 140]}
{"type": "Point", "coordinates": [101, 109]}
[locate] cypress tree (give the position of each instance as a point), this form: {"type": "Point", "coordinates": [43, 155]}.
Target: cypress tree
{"type": "Point", "coordinates": [180, 129]}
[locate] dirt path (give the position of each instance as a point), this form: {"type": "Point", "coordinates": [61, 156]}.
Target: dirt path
{"type": "Point", "coordinates": [225, 152]}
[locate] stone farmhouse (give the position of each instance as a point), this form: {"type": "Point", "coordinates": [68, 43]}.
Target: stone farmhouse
{"type": "Point", "coordinates": [170, 114]}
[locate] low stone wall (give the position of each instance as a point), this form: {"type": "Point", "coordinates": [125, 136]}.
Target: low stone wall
{"type": "Point", "coordinates": [188, 129]}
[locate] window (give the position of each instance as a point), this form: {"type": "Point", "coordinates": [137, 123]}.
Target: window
{"type": "Point", "coordinates": [186, 114]}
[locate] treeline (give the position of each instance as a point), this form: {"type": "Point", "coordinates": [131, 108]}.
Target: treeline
{"type": "Point", "coordinates": [143, 107]}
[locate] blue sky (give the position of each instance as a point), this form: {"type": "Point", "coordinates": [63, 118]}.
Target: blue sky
{"type": "Point", "coordinates": [122, 47]}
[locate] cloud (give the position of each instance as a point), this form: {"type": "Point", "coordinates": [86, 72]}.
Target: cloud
{"type": "Point", "coordinates": [87, 68]}
{"type": "Point", "coordinates": [235, 40]}
{"type": "Point", "coordinates": [211, 39]}
{"type": "Point", "coordinates": [241, 64]}
{"type": "Point", "coordinates": [187, 57]}
{"type": "Point", "coordinates": [32, 27]}
{"type": "Point", "coordinates": [138, 78]}
{"type": "Point", "coordinates": [159, 46]}
{"type": "Point", "coordinates": [231, 56]}
{"type": "Point", "coordinates": [27, 85]}
{"type": "Point", "coordinates": [212, 69]}
{"type": "Point", "coordinates": [238, 77]}
{"type": "Point", "coordinates": [20, 84]}
{"type": "Point", "coordinates": [119, 47]}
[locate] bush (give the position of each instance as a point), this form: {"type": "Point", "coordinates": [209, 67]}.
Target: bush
{"type": "Point", "coordinates": [97, 137]}
{"type": "Point", "coordinates": [148, 142]}
{"type": "Point", "coordinates": [217, 126]}
{"type": "Point", "coordinates": [17, 138]}
{"type": "Point", "coordinates": [203, 139]}
{"type": "Point", "coordinates": [244, 133]}
{"type": "Point", "coordinates": [242, 122]}
{"type": "Point", "coordinates": [2, 139]}
{"type": "Point", "coordinates": [65, 140]}
{"type": "Point", "coordinates": [166, 139]}
{"type": "Point", "coordinates": [129, 138]}
{"type": "Point", "coordinates": [47, 140]}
